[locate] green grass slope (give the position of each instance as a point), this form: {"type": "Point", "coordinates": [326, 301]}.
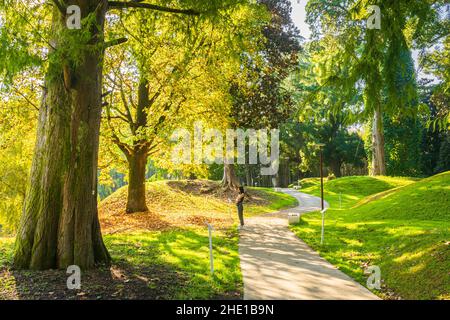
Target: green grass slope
{"type": "Point", "coordinates": [405, 232]}
{"type": "Point", "coordinates": [347, 191]}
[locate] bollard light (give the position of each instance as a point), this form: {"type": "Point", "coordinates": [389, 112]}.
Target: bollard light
{"type": "Point", "coordinates": [293, 218]}
{"type": "Point", "coordinates": [323, 225]}
{"type": "Point", "coordinates": [211, 259]}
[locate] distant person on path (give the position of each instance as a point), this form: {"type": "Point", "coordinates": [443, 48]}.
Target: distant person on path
{"type": "Point", "coordinates": [240, 205]}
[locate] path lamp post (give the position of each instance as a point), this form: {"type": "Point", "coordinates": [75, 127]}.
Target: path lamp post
{"type": "Point", "coordinates": [321, 145]}
{"type": "Point", "coordinates": [322, 205]}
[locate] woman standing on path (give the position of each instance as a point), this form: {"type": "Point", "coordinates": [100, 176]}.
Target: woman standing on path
{"type": "Point", "coordinates": [240, 205]}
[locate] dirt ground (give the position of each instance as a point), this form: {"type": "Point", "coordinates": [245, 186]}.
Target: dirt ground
{"type": "Point", "coordinates": [118, 282]}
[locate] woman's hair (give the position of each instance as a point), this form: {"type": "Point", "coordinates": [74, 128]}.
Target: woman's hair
{"type": "Point", "coordinates": [241, 190]}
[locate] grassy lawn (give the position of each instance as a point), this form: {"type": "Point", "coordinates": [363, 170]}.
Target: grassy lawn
{"type": "Point", "coordinates": [161, 254]}
{"type": "Point", "coordinates": [276, 201]}
{"type": "Point", "coordinates": [347, 191]}
{"type": "Point", "coordinates": [405, 232]}
{"type": "Point", "coordinates": [150, 265]}
{"type": "Point", "coordinates": [187, 252]}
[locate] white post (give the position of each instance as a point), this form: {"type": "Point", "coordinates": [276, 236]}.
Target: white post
{"type": "Point", "coordinates": [323, 225]}
{"type": "Point", "coordinates": [211, 259]}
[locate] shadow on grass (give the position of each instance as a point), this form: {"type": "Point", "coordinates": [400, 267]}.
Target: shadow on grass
{"type": "Point", "coordinates": [120, 281]}
{"type": "Point", "coordinates": [413, 258]}
{"type": "Point", "coordinates": [187, 251]}
{"type": "Point", "coordinates": [151, 265]}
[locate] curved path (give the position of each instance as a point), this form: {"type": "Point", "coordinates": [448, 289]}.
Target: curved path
{"type": "Point", "coordinates": [276, 264]}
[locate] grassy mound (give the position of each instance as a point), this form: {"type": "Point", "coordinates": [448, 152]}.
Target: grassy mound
{"type": "Point", "coordinates": [174, 204]}
{"type": "Point", "coordinates": [406, 232]}
{"type": "Point", "coordinates": [346, 192]}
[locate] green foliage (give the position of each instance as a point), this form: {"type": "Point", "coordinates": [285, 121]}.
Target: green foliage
{"type": "Point", "coordinates": [14, 173]}
{"type": "Point", "coordinates": [438, 63]}
{"type": "Point", "coordinates": [317, 123]}
{"type": "Point", "coordinates": [68, 46]}
{"type": "Point", "coordinates": [21, 39]}
{"type": "Point", "coordinates": [443, 163]}
{"type": "Point", "coordinates": [293, 143]}
{"type": "Point", "coordinates": [113, 181]}
{"type": "Point", "coordinates": [349, 57]}
{"type": "Point", "coordinates": [260, 97]}
{"type": "Point", "coordinates": [403, 150]}
{"type": "Point", "coordinates": [361, 71]}
{"type": "Point", "coordinates": [341, 146]}
{"type": "Point", "coordinates": [412, 147]}
{"type": "Point", "coordinates": [188, 71]}
{"type": "Point", "coordinates": [17, 125]}
{"type": "Point", "coordinates": [320, 123]}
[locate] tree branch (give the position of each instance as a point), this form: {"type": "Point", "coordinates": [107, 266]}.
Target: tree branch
{"type": "Point", "coordinates": [128, 112]}
{"type": "Point", "coordinates": [134, 4]}
{"type": "Point", "coordinates": [115, 138]}
{"type": "Point", "coordinates": [114, 42]}
{"type": "Point", "coordinates": [60, 7]}
{"type": "Point", "coordinates": [26, 98]}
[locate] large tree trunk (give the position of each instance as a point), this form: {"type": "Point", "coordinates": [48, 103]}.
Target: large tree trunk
{"type": "Point", "coordinates": [248, 175]}
{"type": "Point", "coordinates": [59, 224]}
{"type": "Point", "coordinates": [283, 175]}
{"type": "Point", "coordinates": [230, 180]}
{"type": "Point", "coordinates": [378, 166]}
{"type": "Point", "coordinates": [137, 164]}
{"type": "Point", "coordinates": [137, 158]}
{"type": "Point", "coordinates": [335, 167]}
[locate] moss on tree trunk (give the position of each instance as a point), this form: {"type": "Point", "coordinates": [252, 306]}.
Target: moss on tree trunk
{"type": "Point", "coordinates": [59, 224]}
{"type": "Point", "coordinates": [378, 165]}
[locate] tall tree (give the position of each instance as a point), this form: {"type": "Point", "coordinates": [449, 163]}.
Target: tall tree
{"type": "Point", "coordinates": [59, 225]}
{"type": "Point", "coordinates": [145, 111]}
{"type": "Point", "coordinates": [262, 100]}
{"type": "Point", "coordinates": [155, 91]}
{"type": "Point", "coordinates": [353, 57]}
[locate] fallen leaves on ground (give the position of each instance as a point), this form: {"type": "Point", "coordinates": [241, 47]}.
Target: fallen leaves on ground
{"type": "Point", "coordinates": [174, 204]}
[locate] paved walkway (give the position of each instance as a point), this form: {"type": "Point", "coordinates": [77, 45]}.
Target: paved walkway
{"type": "Point", "coordinates": [277, 265]}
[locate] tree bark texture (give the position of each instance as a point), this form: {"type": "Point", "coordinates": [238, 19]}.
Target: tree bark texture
{"type": "Point", "coordinates": [59, 224]}
{"type": "Point", "coordinates": [378, 165]}
{"type": "Point", "coordinates": [137, 165]}
{"type": "Point", "coordinates": [230, 180]}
